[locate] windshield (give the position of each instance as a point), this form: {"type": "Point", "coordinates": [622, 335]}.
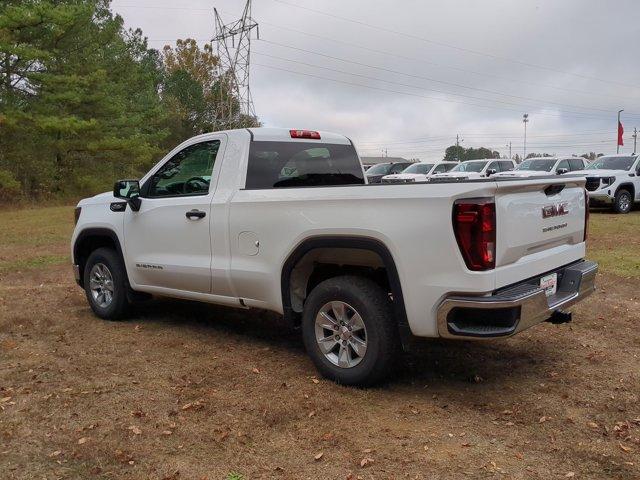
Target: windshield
{"type": "Point", "coordinates": [537, 165]}
{"type": "Point", "coordinates": [379, 169]}
{"type": "Point", "coordinates": [469, 167]}
{"type": "Point", "coordinates": [612, 163]}
{"type": "Point", "coordinates": [418, 168]}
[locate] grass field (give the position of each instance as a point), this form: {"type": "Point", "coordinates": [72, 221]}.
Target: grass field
{"type": "Point", "coordinates": [189, 391]}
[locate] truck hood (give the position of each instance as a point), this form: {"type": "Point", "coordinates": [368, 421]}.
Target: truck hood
{"type": "Point", "coordinates": [459, 175]}
{"type": "Point", "coordinates": [405, 176]}
{"type": "Point", "coordinates": [522, 174]}
{"type": "Point", "coordinates": [101, 198]}
{"type": "Point", "coordinates": [601, 173]}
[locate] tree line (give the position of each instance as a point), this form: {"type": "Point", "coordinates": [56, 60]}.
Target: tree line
{"type": "Point", "coordinates": [457, 153]}
{"type": "Point", "coordinates": [84, 101]}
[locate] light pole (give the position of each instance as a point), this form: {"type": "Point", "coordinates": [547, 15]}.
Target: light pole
{"type": "Point", "coordinates": [509, 145]}
{"type": "Point", "coordinates": [618, 132]}
{"type": "Point", "coordinates": [525, 120]}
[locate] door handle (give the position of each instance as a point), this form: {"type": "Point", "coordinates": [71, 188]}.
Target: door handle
{"type": "Point", "coordinates": [197, 214]}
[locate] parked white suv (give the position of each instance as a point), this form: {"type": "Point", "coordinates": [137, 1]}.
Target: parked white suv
{"type": "Point", "coordinates": [614, 180]}
{"type": "Point", "coordinates": [283, 220]}
{"type": "Point", "coordinates": [419, 172]}
{"type": "Point", "coordinates": [546, 166]}
{"type": "Point", "coordinates": [476, 169]}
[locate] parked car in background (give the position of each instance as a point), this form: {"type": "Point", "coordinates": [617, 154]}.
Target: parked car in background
{"type": "Point", "coordinates": [419, 172]}
{"type": "Point", "coordinates": [536, 167]}
{"type": "Point", "coordinates": [476, 169]}
{"type": "Point", "coordinates": [614, 181]}
{"type": "Point", "coordinates": [375, 173]}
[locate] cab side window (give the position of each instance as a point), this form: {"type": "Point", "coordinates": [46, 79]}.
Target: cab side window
{"type": "Point", "coordinates": [187, 173]}
{"type": "Point", "coordinates": [494, 166]}
{"type": "Point", "coordinates": [563, 164]}
{"type": "Point", "coordinates": [443, 167]}
{"type": "Point", "coordinates": [506, 166]}
{"type": "Point", "coordinates": [576, 164]}
{"type": "Point", "coordinates": [398, 167]}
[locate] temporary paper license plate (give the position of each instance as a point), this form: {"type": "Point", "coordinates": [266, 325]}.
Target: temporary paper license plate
{"type": "Point", "coordinates": [549, 283]}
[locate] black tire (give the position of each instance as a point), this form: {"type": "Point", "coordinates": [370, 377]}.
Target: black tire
{"type": "Point", "coordinates": [623, 201]}
{"type": "Point", "coordinates": [119, 305]}
{"type": "Point", "coordinates": [375, 308]}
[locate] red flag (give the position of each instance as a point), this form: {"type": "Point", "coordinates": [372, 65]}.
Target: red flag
{"type": "Point", "coordinates": [620, 132]}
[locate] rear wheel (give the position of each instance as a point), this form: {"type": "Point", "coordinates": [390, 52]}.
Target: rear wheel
{"type": "Point", "coordinates": [349, 331]}
{"type": "Point", "coordinates": [623, 201]}
{"type": "Point", "coordinates": [105, 284]}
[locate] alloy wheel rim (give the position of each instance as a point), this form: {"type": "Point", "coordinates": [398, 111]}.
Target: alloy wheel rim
{"type": "Point", "coordinates": [624, 202]}
{"type": "Point", "coordinates": [101, 285]}
{"type": "Point", "coordinates": [341, 334]}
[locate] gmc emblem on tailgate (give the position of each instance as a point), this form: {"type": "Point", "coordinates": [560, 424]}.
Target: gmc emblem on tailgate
{"type": "Point", "coordinates": [555, 210]}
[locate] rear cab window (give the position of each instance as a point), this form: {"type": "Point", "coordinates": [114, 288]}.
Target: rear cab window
{"type": "Point", "coordinates": [275, 164]}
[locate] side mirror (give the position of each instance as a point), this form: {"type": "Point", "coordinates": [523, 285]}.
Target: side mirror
{"type": "Point", "coordinates": [491, 171]}
{"type": "Point", "coordinates": [128, 190]}
{"type": "Point", "coordinates": [562, 171]}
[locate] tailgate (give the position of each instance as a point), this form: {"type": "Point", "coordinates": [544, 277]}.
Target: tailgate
{"type": "Point", "coordinates": [540, 222]}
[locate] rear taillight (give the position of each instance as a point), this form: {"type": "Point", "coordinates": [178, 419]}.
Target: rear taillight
{"type": "Point", "coordinates": [474, 224]}
{"type": "Point", "coordinates": [305, 134]}
{"type": "Point", "coordinates": [586, 214]}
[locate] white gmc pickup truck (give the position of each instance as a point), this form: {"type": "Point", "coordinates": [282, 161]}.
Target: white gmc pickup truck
{"type": "Point", "coordinates": [284, 220]}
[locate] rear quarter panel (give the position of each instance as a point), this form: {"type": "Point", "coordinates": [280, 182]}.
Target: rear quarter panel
{"type": "Point", "coordinates": [413, 221]}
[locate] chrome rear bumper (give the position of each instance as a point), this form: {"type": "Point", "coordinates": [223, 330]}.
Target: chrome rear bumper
{"type": "Point", "coordinates": [516, 308]}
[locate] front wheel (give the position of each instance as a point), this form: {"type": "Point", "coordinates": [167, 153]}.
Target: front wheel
{"type": "Point", "coordinates": [349, 331]}
{"type": "Point", "coordinates": [105, 284]}
{"type": "Point", "coordinates": [623, 202]}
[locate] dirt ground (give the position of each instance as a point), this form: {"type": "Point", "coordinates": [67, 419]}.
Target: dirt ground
{"type": "Point", "coordinates": [190, 391]}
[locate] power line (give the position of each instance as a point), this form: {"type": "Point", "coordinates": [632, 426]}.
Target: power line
{"type": "Point", "coordinates": [392, 54]}
{"type": "Point", "coordinates": [575, 114]}
{"type": "Point", "coordinates": [395, 55]}
{"type": "Point", "coordinates": [455, 47]}
{"type": "Point", "coordinates": [398, 72]}
{"type": "Point", "coordinates": [477, 137]}
{"type": "Point", "coordinates": [441, 65]}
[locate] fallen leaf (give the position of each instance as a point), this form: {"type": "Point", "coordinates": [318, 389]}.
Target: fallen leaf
{"type": "Point", "coordinates": [543, 419]}
{"type": "Point", "coordinates": [312, 413]}
{"type": "Point", "coordinates": [55, 454]}
{"type": "Point", "coordinates": [318, 456]}
{"type": "Point", "coordinates": [167, 432]}
{"type": "Point", "coordinates": [135, 430]}
{"type": "Point", "coordinates": [366, 461]}
{"type": "Point", "coordinates": [315, 380]}
{"type": "Point", "coordinates": [624, 448]}
{"type": "Point", "coordinates": [570, 474]}
{"type": "Point", "coordinates": [83, 440]}
{"type": "Point", "coordinates": [592, 425]}
{"type": "Point", "coordinates": [255, 370]}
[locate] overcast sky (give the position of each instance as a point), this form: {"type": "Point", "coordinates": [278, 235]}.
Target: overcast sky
{"type": "Point", "coordinates": [408, 76]}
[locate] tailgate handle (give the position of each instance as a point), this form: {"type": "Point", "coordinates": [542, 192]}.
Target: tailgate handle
{"type": "Point", "coordinates": [553, 190]}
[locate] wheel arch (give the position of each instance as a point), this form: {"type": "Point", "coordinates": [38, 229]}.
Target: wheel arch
{"type": "Point", "coordinates": [630, 187]}
{"type": "Point", "coordinates": [342, 242]}
{"type": "Point", "coordinates": [91, 239]}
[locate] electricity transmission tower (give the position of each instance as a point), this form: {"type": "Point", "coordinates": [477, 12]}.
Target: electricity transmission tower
{"type": "Point", "coordinates": [233, 47]}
